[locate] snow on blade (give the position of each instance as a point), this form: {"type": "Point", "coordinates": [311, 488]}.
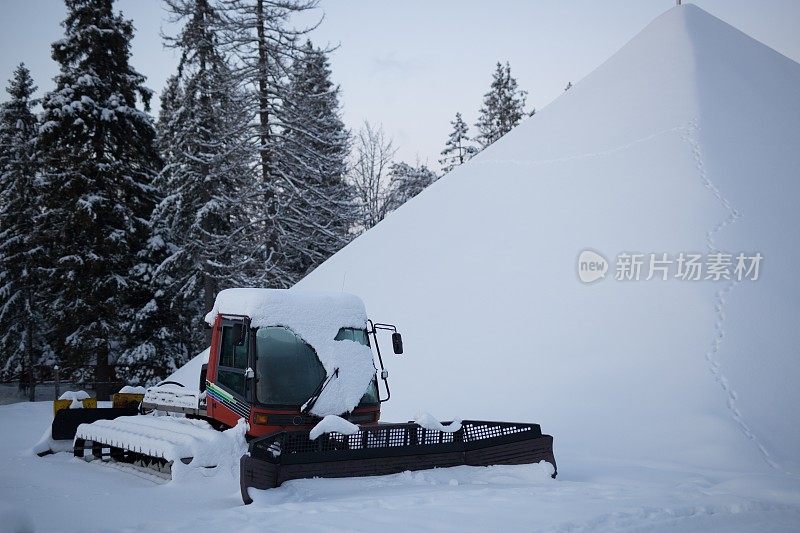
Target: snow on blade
{"type": "Point", "coordinates": [333, 424]}
{"type": "Point", "coordinates": [428, 421]}
{"type": "Point", "coordinates": [316, 318]}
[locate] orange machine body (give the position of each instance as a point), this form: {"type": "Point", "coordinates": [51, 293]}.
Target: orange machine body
{"type": "Point", "coordinates": [226, 407]}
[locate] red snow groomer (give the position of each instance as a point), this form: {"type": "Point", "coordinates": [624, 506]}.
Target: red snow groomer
{"type": "Point", "coordinates": [282, 360]}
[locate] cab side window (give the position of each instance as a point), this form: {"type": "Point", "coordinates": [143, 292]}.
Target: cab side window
{"type": "Point", "coordinates": [231, 355]}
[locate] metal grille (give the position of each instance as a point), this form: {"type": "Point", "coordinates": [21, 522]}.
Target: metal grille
{"type": "Point", "coordinates": [385, 436]}
{"type": "Point", "coordinates": [475, 431]}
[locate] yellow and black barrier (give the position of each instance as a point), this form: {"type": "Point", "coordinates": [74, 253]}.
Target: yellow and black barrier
{"type": "Point", "coordinates": [87, 403]}
{"type": "Point", "coordinates": [121, 400]}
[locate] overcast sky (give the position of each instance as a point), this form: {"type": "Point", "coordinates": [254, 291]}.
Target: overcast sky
{"type": "Point", "coordinates": [410, 65]}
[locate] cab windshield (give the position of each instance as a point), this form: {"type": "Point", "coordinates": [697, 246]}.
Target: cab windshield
{"type": "Point", "coordinates": [288, 371]}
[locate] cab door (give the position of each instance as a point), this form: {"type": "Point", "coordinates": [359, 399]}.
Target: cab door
{"type": "Point", "coordinates": [230, 388]}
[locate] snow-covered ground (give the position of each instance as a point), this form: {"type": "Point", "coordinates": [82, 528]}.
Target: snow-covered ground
{"type": "Point", "coordinates": [61, 493]}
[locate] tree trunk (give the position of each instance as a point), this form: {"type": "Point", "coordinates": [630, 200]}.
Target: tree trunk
{"type": "Point", "coordinates": [102, 375]}
{"type": "Point", "coordinates": [263, 94]}
{"type": "Point", "coordinates": [29, 357]}
{"type": "Point", "coordinates": [264, 128]}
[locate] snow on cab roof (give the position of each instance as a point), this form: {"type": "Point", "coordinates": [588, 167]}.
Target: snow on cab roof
{"type": "Point", "coordinates": [284, 307]}
{"type": "Point", "coordinates": [316, 318]}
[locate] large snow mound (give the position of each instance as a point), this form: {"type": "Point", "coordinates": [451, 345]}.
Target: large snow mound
{"type": "Point", "coordinates": [189, 374]}
{"type": "Point", "coordinates": [684, 141]}
{"type": "Point", "coordinates": [316, 318]}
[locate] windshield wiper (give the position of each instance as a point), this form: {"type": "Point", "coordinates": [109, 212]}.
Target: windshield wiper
{"type": "Point", "coordinates": [306, 408]}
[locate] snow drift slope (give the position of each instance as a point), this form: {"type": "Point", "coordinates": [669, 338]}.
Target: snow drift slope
{"type": "Point", "coordinates": [685, 140]}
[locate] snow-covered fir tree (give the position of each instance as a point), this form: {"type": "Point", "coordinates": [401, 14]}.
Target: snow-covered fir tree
{"type": "Point", "coordinates": [99, 160]}
{"type": "Point", "coordinates": [503, 107]}
{"type": "Point", "coordinates": [407, 181]}
{"type": "Point", "coordinates": [317, 207]}
{"type": "Point", "coordinates": [22, 252]}
{"type": "Point", "coordinates": [459, 148]}
{"type": "Point", "coordinates": [202, 234]}
{"type": "Point", "coordinates": [160, 335]}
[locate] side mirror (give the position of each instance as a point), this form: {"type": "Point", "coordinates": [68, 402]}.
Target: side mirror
{"type": "Point", "coordinates": [397, 343]}
{"type": "Point", "coordinates": [238, 334]}
{"type": "Point", "coordinates": [203, 374]}
{"type": "Point", "coordinates": [249, 374]}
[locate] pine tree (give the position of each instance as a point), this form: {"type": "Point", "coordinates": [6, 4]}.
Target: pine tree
{"type": "Point", "coordinates": [160, 335]}
{"type": "Point", "coordinates": [99, 159]}
{"type": "Point", "coordinates": [22, 343]}
{"type": "Point", "coordinates": [258, 33]}
{"type": "Point", "coordinates": [317, 205]}
{"type": "Point", "coordinates": [202, 234]}
{"type": "Point", "coordinates": [407, 181]}
{"type": "Point", "coordinates": [503, 107]}
{"type": "Point", "coordinates": [459, 148]}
